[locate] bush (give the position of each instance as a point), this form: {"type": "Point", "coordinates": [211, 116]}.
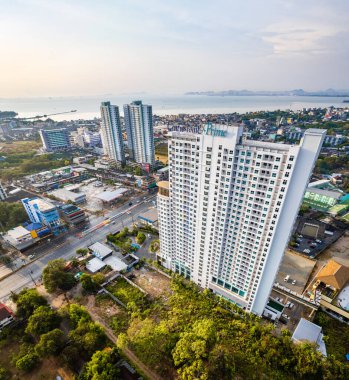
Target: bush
{"type": "Point", "coordinates": [27, 362]}
{"type": "Point", "coordinates": [4, 375]}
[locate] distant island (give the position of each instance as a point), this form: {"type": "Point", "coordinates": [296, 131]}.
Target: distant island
{"type": "Point", "coordinates": [4, 114]}
{"type": "Point", "coordinates": [299, 92]}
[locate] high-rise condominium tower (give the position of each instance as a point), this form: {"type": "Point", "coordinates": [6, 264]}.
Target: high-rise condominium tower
{"type": "Point", "coordinates": [227, 211]}
{"type": "Point", "coordinates": [139, 129]}
{"type": "Point", "coordinates": [111, 133]}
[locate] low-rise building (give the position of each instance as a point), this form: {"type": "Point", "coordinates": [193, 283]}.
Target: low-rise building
{"type": "Point", "coordinates": [68, 196]}
{"type": "Point", "coordinates": [73, 215]}
{"type": "Point", "coordinates": [309, 332]}
{"type": "Point", "coordinates": [20, 238]}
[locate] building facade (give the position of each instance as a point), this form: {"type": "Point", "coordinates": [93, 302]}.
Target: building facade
{"type": "Point", "coordinates": [41, 211]}
{"type": "Point", "coordinates": [111, 133]}
{"type": "Point", "coordinates": [54, 140]}
{"type": "Point", "coordinates": [226, 214]}
{"type": "Point", "coordinates": [139, 130]}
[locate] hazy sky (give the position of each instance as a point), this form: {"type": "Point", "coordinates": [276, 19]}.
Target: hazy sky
{"type": "Point", "coordinates": [93, 47]}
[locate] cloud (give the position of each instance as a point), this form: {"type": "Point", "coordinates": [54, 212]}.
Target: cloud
{"type": "Point", "coordinates": [301, 39]}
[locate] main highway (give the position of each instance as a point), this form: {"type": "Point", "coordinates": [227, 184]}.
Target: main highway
{"type": "Point", "coordinates": [65, 245]}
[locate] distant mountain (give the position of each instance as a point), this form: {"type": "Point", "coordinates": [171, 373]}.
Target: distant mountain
{"type": "Point", "coordinates": [297, 92]}
{"type": "Point", "coordinates": [4, 114]}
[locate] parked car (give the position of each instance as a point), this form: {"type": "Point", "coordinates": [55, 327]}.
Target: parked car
{"type": "Point", "coordinates": [287, 278]}
{"type": "Point", "coordinates": [294, 282]}
{"type": "Point", "coordinates": [31, 257]}
{"type": "Point", "coordinates": [318, 241]}
{"type": "Point", "coordinates": [130, 204]}
{"type": "Point", "coordinates": [306, 250]}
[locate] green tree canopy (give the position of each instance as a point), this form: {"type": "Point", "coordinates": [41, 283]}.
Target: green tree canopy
{"type": "Point", "coordinates": [50, 343]}
{"type": "Point", "coordinates": [42, 321]}
{"type": "Point", "coordinates": [102, 366]}
{"type": "Point", "coordinates": [56, 278]}
{"type": "Point", "coordinates": [28, 300]}
{"type": "Point", "coordinates": [88, 283]}
{"type": "Point", "coordinates": [11, 215]}
{"type": "Point", "coordinates": [27, 362]}
{"type": "Point", "coordinates": [140, 238]}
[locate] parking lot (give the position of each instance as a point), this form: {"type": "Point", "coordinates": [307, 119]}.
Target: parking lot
{"type": "Point", "coordinates": [312, 237]}
{"type": "Point", "coordinates": [290, 316]}
{"type": "Point", "coordinates": [298, 268]}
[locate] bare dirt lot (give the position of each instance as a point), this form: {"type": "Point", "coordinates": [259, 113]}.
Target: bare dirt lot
{"type": "Point", "coordinates": [338, 251]}
{"type": "Point", "coordinates": [152, 282]}
{"type": "Point", "coordinates": [298, 268]}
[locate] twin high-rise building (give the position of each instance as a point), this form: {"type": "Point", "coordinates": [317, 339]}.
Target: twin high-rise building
{"type": "Point", "coordinates": [139, 130]}
{"type": "Point", "coordinates": [226, 214]}
{"type": "Point", "coordinates": [111, 132]}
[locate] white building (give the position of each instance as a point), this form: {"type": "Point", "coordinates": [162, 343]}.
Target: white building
{"type": "Point", "coordinates": [226, 214]}
{"type": "Point", "coordinates": [140, 134]}
{"type": "Point", "coordinates": [111, 133]}
{"type": "Point", "coordinates": [3, 194]}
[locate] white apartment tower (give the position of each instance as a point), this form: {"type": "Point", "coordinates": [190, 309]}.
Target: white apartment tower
{"type": "Point", "coordinates": [111, 133]}
{"type": "Point", "coordinates": [140, 134]}
{"type": "Point", "coordinates": [226, 214]}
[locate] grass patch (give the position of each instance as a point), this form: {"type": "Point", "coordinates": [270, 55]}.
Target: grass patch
{"type": "Point", "coordinates": [336, 335]}
{"type": "Point", "coordinates": [127, 293]}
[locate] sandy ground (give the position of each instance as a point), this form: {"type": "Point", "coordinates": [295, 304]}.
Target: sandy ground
{"type": "Point", "coordinates": [152, 282]}
{"type": "Point", "coordinates": [298, 268]}
{"type": "Point", "coordinates": [338, 251]}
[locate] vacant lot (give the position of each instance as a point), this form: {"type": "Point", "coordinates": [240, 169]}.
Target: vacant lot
{"type": "Point", "coordinates": [19, 147]}
{"type": "Point", "coordinates": [49, 369]}
{"type": "Point", "coordinates": [152, 282]}
{"type": "Point", "coordinates": [338, 251]}
{"type": "Point", "coordinates": [298, 268]}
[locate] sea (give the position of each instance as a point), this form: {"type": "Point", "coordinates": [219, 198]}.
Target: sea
{"type": "Point", "coordinates": [87, 108]}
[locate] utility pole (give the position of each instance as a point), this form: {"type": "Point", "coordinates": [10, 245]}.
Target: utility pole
{"type": "Point", "coordinates": [30, 274]}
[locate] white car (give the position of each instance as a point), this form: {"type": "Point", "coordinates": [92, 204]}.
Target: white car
{"type": "Point", "coordinates": [31, 257]}
{"type": "Point", "coordinates": [294, 282]}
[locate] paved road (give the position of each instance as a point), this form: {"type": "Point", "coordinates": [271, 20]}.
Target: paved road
{"type": "Point", "coordinates": [65, 247]}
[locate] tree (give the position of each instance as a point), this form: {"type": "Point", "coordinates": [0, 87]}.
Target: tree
{"type": "Point", "coordinates": [55, 278]}
{"type": "Point", "coordinates": [77, 313]}
{"type": "Point", "coordinates": [102, 366]}
{"type": "Point", "coordinates": [154, 246]}
{"type": "Point", "coordinates": [138, 171]}
{"type": "Point", "coordinates": [11, 215]}
{"type": "Point", "coordinates": [43, 320]}
{"type": "Point", "coordinates": [82, 251]}
{"type": "Point", "coordinates": [72, 357]}
{"type": "Point", "coordinates": [140, 238]}
{"type": "Point", "coordinates": [50, 343]}
{"type": "Point", "coordinates": [88, 283]}
{"type": "Point", "coordinates": [99, 278]}
{"type": "Point", "coordinates": [27, 362]}
{"type": "Point", "coordinates": [88, 337]}
{"type": "Point", "coordinates": [28, 300]}
{"type": "Point", "coordinates": [4, 375]}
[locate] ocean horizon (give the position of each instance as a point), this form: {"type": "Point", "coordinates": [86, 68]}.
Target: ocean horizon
{"type": "Point", "coordinates": [88, 107]}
